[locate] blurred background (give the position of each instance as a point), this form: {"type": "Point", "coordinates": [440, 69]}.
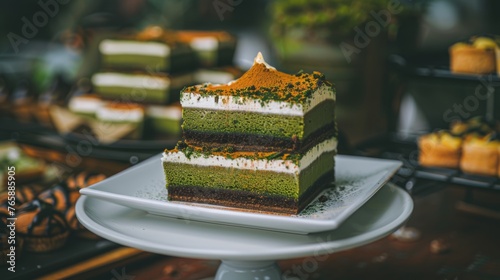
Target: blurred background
{"type": "Point", "coordinates": [390, 60]}
{"type": "Point", "coordinates": [382, 55]}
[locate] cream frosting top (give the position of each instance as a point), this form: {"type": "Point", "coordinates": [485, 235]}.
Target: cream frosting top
{"type": "Point", "coordinates": [235, 103]}
{"type": "Point", "coordinates": [85, 104]}
{"type": "Point", "coordinates": [124, 47]}
{"type": "Point", "coordinates": [112, 79]}
{"type": "Point", "coordinates": [286, 90]}
{"type": "Point", "coordinates": [108, 113]}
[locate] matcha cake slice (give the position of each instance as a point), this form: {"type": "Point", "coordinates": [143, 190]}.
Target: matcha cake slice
{"type": "Point", "coordinates": [263, 110]}
{"type": "Point", "coordinates": [152, 49]}
{"type": "Point", "coordinates": [164, 120]}
{"type": "Point", "coordinates": [274, 182]}
{"type": "Point", "coordinates": [140, 87]}
{"type": "Point", "coordinates": [213, 48]}
{"type": "Point", "coordinates": [117, 116]}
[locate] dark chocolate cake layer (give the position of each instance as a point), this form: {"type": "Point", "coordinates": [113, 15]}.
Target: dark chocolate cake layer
{"type": "Point", "coordinates": [258, 143]}
{"type": "Point", "coordinates": [249, 200]}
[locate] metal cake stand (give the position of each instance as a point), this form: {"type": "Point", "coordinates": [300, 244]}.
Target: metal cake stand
{"type": "Point", "coordinates": [246, 253]}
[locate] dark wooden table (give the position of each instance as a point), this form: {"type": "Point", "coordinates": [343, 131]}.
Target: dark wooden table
{"type": "Point", "coordinates": [472, 242]}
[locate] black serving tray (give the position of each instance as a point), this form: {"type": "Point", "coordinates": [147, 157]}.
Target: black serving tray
{"type": "Point", "coordinates": [32, 265]}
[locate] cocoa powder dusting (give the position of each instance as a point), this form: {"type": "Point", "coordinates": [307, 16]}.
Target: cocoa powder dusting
{"type": "Point", "coordinates": [262, 83]}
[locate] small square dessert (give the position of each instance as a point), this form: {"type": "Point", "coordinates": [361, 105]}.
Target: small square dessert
{"type": "Point", "coordinates": [165, 120]}
{"type": "Point", "coordinates": [140, 87]}
{"type": "Point", "coordinates": [440, 149]}
{"type": "Point", "coordinates": [121, 116]}
{"type": "Point", "coordinates": [85, 105]}
{"type": "Point", "coordinates": [480, 155]}
{"type": "Point", "coordinates": [213, 48]}
{"type": "Point", "coordinates": [153, 49]}
{"type": "Point", "coordinates": [475, 58]}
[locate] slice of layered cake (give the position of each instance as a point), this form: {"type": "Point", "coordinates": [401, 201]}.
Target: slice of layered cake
{"type": "Point", "coordinates": [213, 48]}
{"type": "Point", "coordinates": [157, 88]}
{"type": "Point", "coordinates": [153, 48]}
{"type": "Point", "coordinates": [264, 110]}
{"type": "Point", "coordinates": [265, 142]}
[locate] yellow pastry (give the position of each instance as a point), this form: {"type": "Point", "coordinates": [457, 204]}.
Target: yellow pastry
{"type": "Point", "coordinates": [440, 149]}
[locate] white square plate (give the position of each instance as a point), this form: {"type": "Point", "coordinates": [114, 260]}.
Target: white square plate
{"type": "Point", "coordinates": [357, 180]}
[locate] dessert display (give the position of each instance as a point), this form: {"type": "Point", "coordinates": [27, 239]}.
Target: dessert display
{"type": "Point", "coordinates": [213, 48]}
{"type": "Point", "coordinates": [82, 180]}
{"type": "Point", "coordinates": [24, 193]}
{"type": "Point", "coordinates": [477, 57]}
{"type": "Point", "coordinates": [76, 227]}
{"type": "Point", "coordinates": [153, 48]}
{"type": "Point", "coordinates": [165, 120]}
{"type": "Point", "coordinates": [74, 184]}
{"type": "Point", "coordinates": [58, 196]}
{"type": "Point", "coordinates": [46, 216]}
{"type": "Point", "coordinates": [471, 146]}
{"type": "Point", "coordinates": [147, 68]}
{"type": "Point", "coordinates": [140, 87]}
{"type": "Point", "coordinates": [85, 105]}
{"type": "Point", "coordinates": [26, 168]}
{"type": "Point", "coordinates": [440, 149]}
{"type": "Point", "coordinates": [480, 155]}
{"type": "Point", "coordinates": [497, 57]}
{"type": "Point", "coordinates": [265, 142]}
{"type": "Point", "coordinates": [123, 114]}
{"type": "Point", "coordinates": [42, 227]}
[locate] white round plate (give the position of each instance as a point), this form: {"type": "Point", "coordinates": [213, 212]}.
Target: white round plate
{"type": "Point", "coordinates": [387, 210]}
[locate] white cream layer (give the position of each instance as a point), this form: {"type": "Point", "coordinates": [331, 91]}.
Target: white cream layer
{"type": "Point", "coordinates": [236, 103]}
{"type": "Point", "coordinates": [121, 47]}
{"type": "Point", "coordinates": [134, 81]}
{"type": "Point", "coordinates": [120, 115]}
{"type": "Point", "coordinates": [274, 165]}
{"type": "Point", "coordinates": [83, 104]}
{"type": "Point", "coordinates": [164, 112]}
{"type": "Point", "coordinates": [204, 44]}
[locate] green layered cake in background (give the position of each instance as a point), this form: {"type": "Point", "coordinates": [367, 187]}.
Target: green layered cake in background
{"type": "Point", "coordinates": [153, 48]}
{"type": "Point", "coordinates": [140, 87]}
{"type": "Point", "coordinates": [148, 68]}
{"type": "Point", "coordinates": [115, 117]}
{"type": "Point", "coordinates": [164, 120]}
{"type": "Point", "coordinates": [213, 48]}
{"type": "Point", "coordinates": [265, 142]}
{"type": "Point", "coordinates": [85, 105]}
